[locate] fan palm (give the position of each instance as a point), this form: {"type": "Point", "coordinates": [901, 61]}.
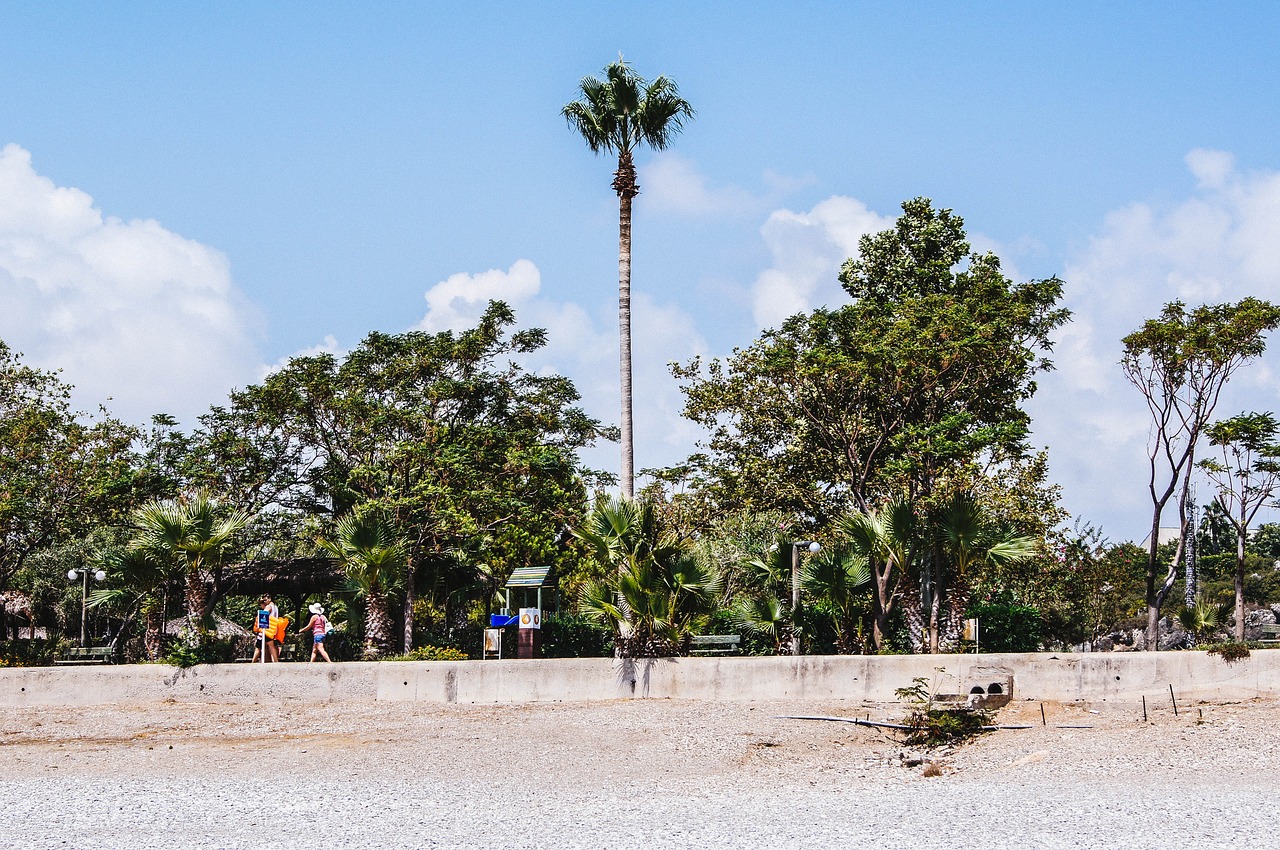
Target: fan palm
{"type": "Point", "coordinates": [137, 578]}
{"type": "Point", "coordinates": [617, 115]}
{"type": "Point", "coordinates": [889, 540]}
{"type": "Point", "coordinates": [192, 530]}
{"type": "Point", "coordinates": [765, 615]}
{"type": "Point", "coordinates": [656, 594]}
{"type": "Point", "coordinates": [373, 559]}
{"type": "Point", "coordinates": [966, 535]}
{"type": "Point", "coordinates": [763, 610]}
{"type": "Point", "coordinates": [1203, 616]}
{"type": "Point", "coordinates": [837, 579]}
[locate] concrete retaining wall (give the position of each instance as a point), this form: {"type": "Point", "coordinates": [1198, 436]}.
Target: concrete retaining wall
{"type": "Point", "coordinates": [1063, 677]}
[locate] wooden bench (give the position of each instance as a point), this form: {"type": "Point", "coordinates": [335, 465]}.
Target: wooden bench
{"type": "Point", "coordinates": [88, 655]}
{"type": "Point", "coordinates": [714, 644]}
{"type": "Point", "coordinates": [1270, 633]}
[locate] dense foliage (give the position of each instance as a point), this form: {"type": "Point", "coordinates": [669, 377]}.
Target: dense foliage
{"type": "Point", "coordinates": [866, 484]}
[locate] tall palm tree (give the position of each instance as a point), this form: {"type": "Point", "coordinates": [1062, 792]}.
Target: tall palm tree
{"type": "Point", "coordinates": [374, 560]}
{"type": "Point", "coordinates": [617, 115]}
{"type": "Point", "coordinates": [193, 530]}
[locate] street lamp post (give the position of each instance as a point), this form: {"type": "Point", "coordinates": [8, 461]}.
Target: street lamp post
{"type": "Point", "coordinates": [83, 574]}
{"type": "Point", "coordinates": [814, 548]}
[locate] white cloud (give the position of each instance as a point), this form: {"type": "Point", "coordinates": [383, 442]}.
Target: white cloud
{"type": "Point", "coordinates": [807, 251]}
{"type": "Point", "coordinates": [127, 310]}
{"type": "Point", "coordinates": [672, 183]}
{"type": "Point", "coordinates": [1216, 245]}
{"type": "Point", "coordinates": [327, 346]}
{"type": "Point", "coordinates": [582, 344]}
{"type": "Point", "coordinates": [458, 301]}
{"type": "Point", "coordinates": [1211, 168]}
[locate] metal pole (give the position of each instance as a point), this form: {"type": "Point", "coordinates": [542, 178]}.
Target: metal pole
{"type": "Point", "coordinates": [84, 607]}
{"type": "Point", "coordinates": [795, 598]}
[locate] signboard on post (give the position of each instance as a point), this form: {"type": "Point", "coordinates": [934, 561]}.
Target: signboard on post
{"type": "Point", "coordinates": [493, 643]}
{"type": "Point", "coordinates": [971, 632]}
{"type": "Point", "coordinates": [264, 626]}
{"type": "Point", "coordinates": [530, 618]}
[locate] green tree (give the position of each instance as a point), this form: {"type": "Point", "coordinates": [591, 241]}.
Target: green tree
{"type": "Point", "coordinates": [1180, 362]}
{"type": "Point", "coordinates": [618, 115]}
{"type": "Point", "coordinates": [656, 594]}
{"type": "Point", "coordinates": [60, 472]}
{"type": "Point", "coordinates": [194, 531]}
{"type": "Point", "coordinates": [938, 551]}
{"type": "Point", "coordinates": [63, 474]}
{"type": "Point", "coordinates": [1266, 540]}
{"type": "Point", "coordinates": [965, 537]}
{"type": "Point", "coordinates": [923, 373]}
{"type": "Point", "coordinates": [837, 581]}
{"type": "Point", "coordinates": [373, 558]}
{"type": "Point", "coordinates": [889, 540]}
{"type": "Point", "coordinates": [1246, 478]}
{"type": "Point", "coordinates": [136, 578]}
{"type": "Point", "coordinates": [472, 458]}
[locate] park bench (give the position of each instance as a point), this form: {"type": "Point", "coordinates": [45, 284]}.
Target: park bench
{"type": "Point", "coordinates": [1270, 633]}
{"type": "Point", "coordinates": [714, 644]}
{"type": "Point", "coordinates": [288, 652]}
{"type": "Point", "coordinates": [88, 655]}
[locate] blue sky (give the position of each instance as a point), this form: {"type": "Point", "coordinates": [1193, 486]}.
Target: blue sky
{"type": "Point", "coordinates": [192, 193]}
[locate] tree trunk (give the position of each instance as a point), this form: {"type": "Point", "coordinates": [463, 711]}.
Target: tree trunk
{"type": "Point", "coordinates": [935, 601]}
{"type": "Point", "coordinates": [153, 629]}
{"type": "Point", "coordinates": [197, 599]}
{"type": "Point", "coordinates": [377, 626]}
{"type": "Point", "coordinates": [883, 602]}
{"type": "Point", "coordinates": [957, 606]}
{"type": "Point", "coordinates": [1239, 630]}
{"type": "Point", "coordinates": [408, 613]}
{"type": "Point", "coordinates": [912, 611]}
{"type": "Point", "coordinates": [624, 183]}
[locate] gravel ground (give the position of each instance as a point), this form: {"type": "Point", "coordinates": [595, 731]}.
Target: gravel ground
{"type": "Point", "coordinates": [638, 773]}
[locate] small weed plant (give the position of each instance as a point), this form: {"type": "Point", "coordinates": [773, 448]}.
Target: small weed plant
{"type": "Point", "coordinates": [932, 726]}
{"type": "Point", "coordinates": [1230, 651]}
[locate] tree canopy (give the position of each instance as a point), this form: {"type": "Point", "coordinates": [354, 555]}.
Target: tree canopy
{"type": "Point", "coordinates": [921, 374]}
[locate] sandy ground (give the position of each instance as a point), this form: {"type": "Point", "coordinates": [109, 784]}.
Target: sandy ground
{"type": "Point", "coordinates": [642, 773]}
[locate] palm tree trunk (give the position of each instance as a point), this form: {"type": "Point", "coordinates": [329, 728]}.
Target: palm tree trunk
{"type": "Point", "coordinates": [151, 640]}
{"type": "Point", "coordinates": [197, 596]}
{"type": "Point", "coordinates": [912, 613]}
{"type": "Point", "coordinates": [624, 182]}
{"type": "Point", "coordinates": [408, 613]}
{"type": "Point", "coordinates": [377, 627]}
{"type": "Point", "coordinates": [957, 605]}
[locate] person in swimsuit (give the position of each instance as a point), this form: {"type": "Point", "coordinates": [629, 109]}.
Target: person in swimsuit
{"type": "Point", "coordinates": [273, 648]}
{"type": "Point", "coordinates": [318, 625]}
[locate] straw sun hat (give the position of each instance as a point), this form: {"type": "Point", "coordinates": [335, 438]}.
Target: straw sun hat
{"type": "Point", "coordinates": [316, 608]}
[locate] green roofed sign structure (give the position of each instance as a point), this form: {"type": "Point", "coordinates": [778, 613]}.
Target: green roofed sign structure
{"type": "Point", "coordinates": [529, 581]}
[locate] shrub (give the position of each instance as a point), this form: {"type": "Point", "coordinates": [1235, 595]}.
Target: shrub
{"type": "Point", "coordinates": [430, 653]}
{"type": "Point", "coordinates": [573, 636]}
{"type": "Point", "coordinates": [32, 652]}
{"type": "Point", "coordinates": [1230, 652]}
{"type": "Point", "coordinates": [1007, 626]}
{"type": "Point", "coordinates": [216, 651]}
{"type": "Point", "coordinates": [932, 726]}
